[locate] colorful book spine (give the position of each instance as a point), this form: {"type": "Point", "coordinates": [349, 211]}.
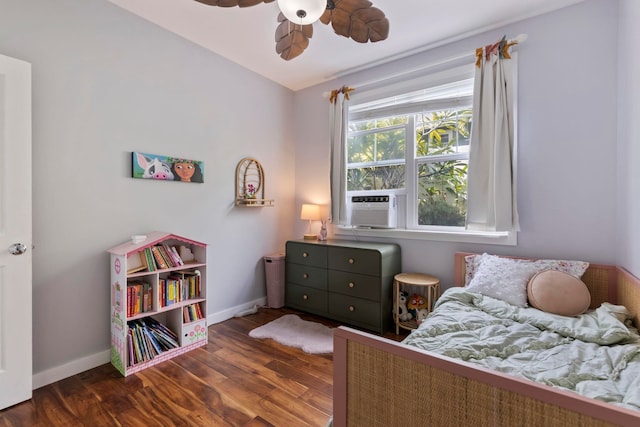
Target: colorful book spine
{"type": "Point", "coordinates": [199, 311]}
{"type": "Point", "coordinates": [150, 259]}
{"type": "Point", "coordinates": [158, 257]}
{"type": "Point", "coordinates": [173, 255]}
{"type": "Point", "coordinates": [177, 255]}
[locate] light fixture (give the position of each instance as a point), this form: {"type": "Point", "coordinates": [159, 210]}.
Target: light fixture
{"type": "Point", "coordinates": [310, 213]}
{"type": "Point", "coordinates": [302, 12]}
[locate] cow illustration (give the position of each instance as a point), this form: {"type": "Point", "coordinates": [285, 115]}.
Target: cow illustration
{"type": "Point", "coordinates": [154, 168]}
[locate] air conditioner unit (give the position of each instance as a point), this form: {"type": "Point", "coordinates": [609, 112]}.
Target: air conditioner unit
{"type": "Point", "coordinates": [380, 211]}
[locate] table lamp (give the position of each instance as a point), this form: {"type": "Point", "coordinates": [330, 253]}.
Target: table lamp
{"type": "Point", "coordinates": [310, 213]}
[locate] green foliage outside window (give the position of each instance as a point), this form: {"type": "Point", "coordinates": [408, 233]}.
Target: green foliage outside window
{"type": "Point", "coordinates": [442, 185]}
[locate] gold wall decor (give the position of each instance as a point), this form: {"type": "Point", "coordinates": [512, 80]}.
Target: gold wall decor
{"type": "Point", "coordinates": [250, 184]}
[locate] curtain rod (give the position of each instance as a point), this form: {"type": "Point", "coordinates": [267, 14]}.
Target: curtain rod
{"type": "Point", "coordinates": [471, 55]}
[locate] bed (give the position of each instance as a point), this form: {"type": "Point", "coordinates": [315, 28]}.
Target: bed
{"type": "Point", "coordinates": [380, 382]}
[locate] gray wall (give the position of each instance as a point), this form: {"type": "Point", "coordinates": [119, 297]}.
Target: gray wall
{"type": "Point", "coordinates": [567, 162]}
{"type": "Point", "coordinates": [628, 196]}
{"type": "Point", "coordinates": [106, 83]}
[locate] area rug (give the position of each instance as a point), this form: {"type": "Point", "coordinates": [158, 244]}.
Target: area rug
{"type": "Point", "coordinates": [292, 331]}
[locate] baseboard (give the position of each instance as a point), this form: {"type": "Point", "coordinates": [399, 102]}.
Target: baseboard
{"type": "Point", "coordinates": [69, 369]}
{"type": "Point", "coordinates": [228, 313]}
{"type": "Point", "coordinates": [77, 366]}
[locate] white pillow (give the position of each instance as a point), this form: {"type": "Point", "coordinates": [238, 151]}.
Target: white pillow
{"type": "Point", "coordinates": [506, 278]}
{"type": "Point", "coordinates": [503, 278]}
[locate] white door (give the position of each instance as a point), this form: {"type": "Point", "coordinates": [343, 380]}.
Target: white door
{"type": "Point", "coordinates": [15, 232]}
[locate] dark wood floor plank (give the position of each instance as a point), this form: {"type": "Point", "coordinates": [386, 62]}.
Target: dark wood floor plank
{"type": "Point", "coordinates": [264, 373]}
{"type": "Point", "coordinates": [274, 408]}
{"type": "Point", "coordinates": [234, 380]}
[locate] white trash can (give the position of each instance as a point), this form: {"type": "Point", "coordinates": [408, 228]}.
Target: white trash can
{"type": "Point", "coordinates": [274, 275]}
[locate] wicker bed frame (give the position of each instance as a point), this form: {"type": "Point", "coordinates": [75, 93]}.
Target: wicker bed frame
{"type": "Point", "coordinates": [379, 382]}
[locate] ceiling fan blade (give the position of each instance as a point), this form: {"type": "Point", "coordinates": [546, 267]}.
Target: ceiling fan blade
{"type": "Point", "coordinates": [233, 3]}
{"type": "Point", "coordinates": [291, 39]}
{"type": "Point", "coordinates": [358, 20]}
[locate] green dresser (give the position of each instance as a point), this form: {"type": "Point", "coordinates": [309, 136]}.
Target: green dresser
{"type": "Point", "coordinates": [350, 282]}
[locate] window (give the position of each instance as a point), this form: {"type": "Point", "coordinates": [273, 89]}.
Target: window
{"type": "Point", "coordinates": [416, 144]}
{"type": "Point", "coordinates": [413, 139]}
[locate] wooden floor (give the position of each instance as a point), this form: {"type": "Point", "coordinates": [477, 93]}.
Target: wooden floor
{"type": "Point", "coordinates": [234, 380]}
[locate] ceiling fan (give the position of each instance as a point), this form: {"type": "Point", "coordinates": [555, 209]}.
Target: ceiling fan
{"type": "Point", "coordinates": [355, 19]}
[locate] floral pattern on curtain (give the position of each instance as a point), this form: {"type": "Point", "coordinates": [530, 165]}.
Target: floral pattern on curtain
{"type": "Point", "coordinates": [491, 185]}
{"type": "Point", "coordinates": [339, 101]}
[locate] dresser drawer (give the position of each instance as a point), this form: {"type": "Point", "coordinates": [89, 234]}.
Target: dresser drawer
{"type": "Point", "coordinates": [307, 254]}
{"type": "Point", "coordinates": [354, 260]}
{"type": "Point", "coordinates": [307, 276]}
{"type": "Point", "coordinates": [306, 299]}
{"type": "Point", "coordinates": [355, 285]}
{"type": "Point", "coordinates": [355, 310]}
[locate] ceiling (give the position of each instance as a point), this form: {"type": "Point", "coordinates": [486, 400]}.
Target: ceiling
{"type": "Point", "coordinates": [246, 35]}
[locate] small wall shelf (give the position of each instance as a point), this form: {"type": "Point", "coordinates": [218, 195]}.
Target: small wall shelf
{"type": "Point", "coordinates": [250, 184]}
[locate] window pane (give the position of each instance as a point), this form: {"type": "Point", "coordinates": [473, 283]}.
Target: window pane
{"type": "Point", "coordinates": [443, 132]}
{"type": "Point", "coordinates": [376, 146]}
{"type": "Point", "coordinates": [378, 123]}
{"type": "Point", "coordinates": [442, 193]}
{"type": "Point", "coordinates": [375, 178]}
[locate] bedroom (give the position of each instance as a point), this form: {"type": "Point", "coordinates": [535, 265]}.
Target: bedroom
{"type": "Point", "coordinates": [100, 92]}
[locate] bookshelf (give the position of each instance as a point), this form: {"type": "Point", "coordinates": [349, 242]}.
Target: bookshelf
{"type": "Point", "coordinates": [158, 299]}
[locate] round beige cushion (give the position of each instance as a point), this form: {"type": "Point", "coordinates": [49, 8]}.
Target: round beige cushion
{"type": "Point", "coordinates": [559, 293]}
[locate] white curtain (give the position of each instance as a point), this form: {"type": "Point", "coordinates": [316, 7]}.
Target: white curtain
{"type": "Point", "coordinates": [491, 186]}
{"type": "Point", "coordinates": [338, 127]}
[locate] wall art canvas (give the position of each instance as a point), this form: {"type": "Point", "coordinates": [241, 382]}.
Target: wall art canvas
{"type": "Point", "coordinates": [154, 166]}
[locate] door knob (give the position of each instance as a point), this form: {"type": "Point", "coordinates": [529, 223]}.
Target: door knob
{"type": "Point", "coordinates": [17, 249]}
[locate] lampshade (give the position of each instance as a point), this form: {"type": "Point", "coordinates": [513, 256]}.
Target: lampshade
{"type": "Point", "coordinates": [310, 212]}
{"type": "Point", "coordinates": [302, 12]}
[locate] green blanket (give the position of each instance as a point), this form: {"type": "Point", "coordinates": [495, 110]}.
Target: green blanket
{"type": "Point", "coordinates": [596, 354]}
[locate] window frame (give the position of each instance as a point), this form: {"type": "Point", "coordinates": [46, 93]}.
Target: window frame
{"type": "Point", "coordinates": [412, 230]}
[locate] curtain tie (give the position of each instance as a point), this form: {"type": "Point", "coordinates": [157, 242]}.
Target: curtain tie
{"type": "Point", "coordinates": [501, 48]}
{"type": "Point", "coordinates": [344, 90]}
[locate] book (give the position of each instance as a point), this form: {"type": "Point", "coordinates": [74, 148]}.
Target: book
{"type": "Point", "coordinates": [165, 256]}
{"type": "Point", "coordinates": [177, 255]}
{"type": "Point", "coordinates": [134, 298]}
{"type": "Point", "coordinates": [147, 297]}
{"type": "Point", "coordinates": [199, 311]}
{"type": "Point", "coordinates": [173, 256]}
{"type": "Point", "coordinates": [134, 263]}
{"type": "Point", "coordinates": [131, 348]}
{"type": "Point", "coordinates": [136, 346]}
{"type": "Point", "coordinates": [154, 348]}
{"type": "Point", "coordinates": [160, 262]}
{"type": "Point", "coordinates": [143, 259]}
{"type": "Point", "coordinates": [151, 264]}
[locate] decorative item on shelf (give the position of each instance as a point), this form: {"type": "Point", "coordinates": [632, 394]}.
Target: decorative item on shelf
{"type": "Point", "coordinates": [250, 191]}
{"type": "Point", "coordinates": [250, 184]}
{"type": "Point", "coordinates": [310, 213]}
{"type": "Point", "coordinates": [322, 236]}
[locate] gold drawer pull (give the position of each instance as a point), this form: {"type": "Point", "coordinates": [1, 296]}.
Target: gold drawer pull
{"type": "Point", "coordinates": [305, 275]}
{"type": "Point", "coordinates": [305, 297]}
{"type": "Point", "coordinates": [351, 260]}
{"type": "Point", "coordinates": [352, 308]}
{"type": "Point", "coordinates": [305, 254]}
{"type": "Point", "coordinates": [352, 285]}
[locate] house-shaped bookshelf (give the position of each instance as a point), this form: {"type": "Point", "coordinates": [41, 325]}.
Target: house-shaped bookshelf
{"type": "Point", "coordinates": [158, 299]}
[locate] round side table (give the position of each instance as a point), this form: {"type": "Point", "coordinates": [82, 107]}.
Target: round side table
{"type": "Point", "coordinates": [431, 286]}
